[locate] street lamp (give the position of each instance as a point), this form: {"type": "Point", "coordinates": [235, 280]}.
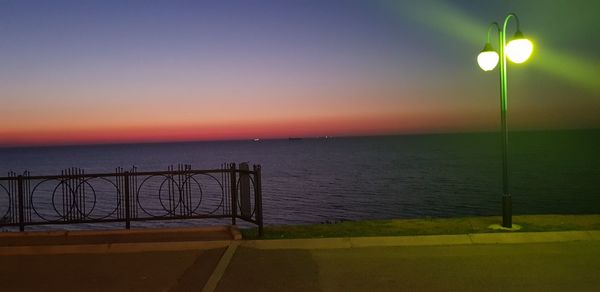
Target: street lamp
{"type": "Point", "coordinates": [518, 51]}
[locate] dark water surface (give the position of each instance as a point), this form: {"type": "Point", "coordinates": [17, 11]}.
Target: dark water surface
{"type": "Point", "coordinates": [315, 180]}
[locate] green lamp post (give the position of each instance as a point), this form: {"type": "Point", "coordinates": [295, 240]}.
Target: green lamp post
{"type": "Point", "coordinates": [518, 51]}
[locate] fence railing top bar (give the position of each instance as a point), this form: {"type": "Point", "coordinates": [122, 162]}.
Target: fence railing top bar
{"type": "Point", "coordinates": [192, 171]}
{"type": "Point", "coordinates": [141, 173]}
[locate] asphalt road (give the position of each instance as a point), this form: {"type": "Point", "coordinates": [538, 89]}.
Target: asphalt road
{"type": "Point", "coordinates": [564, 266]}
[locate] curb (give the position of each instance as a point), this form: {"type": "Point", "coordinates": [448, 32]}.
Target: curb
{"type": "Point", "coordinates": [58, 233]}
{"type": "Point", "coordinates": [118, 241]}
{"type": "Point", "coordinates": [318, 243]}
{"type": "Point", "coordinates": [425, 240]}
{"type": "Point", "coordinates": [108, 248]}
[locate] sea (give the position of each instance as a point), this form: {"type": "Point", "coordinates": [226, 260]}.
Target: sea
{"type": "Point", "coordinates": [333, 179]}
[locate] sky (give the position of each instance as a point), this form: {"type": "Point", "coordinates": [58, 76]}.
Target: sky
{"type": "Point", "coordinates": [85, 72]}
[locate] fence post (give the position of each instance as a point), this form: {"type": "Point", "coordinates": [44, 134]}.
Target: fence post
{"type": "Point", "coordinates": [245, 201]}
{"type": "Point", "coordinates": [21, 209]}
{"type": "Point", "coordinates": [258, 199]}
{"type": "Point", "coordinates": [127, 213]}
{"type": "Point", "coordinates": [233, 193]}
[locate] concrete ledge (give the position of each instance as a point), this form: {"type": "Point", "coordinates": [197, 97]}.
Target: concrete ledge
{"type": "Point", "coordinates": [594, 234]}
{"type": "Point", "coordinates": [529, 237]}
{"type": "Point", "coordinates": [316, 243]}
{"type": "Point", "coordinates": [312, 243]}
{"type": "Point", "coordinates": [424, 240]}
{"type": "Point", "coordinates": [410, 240]}
{"type": "Point", "coordinates": [46, 238]}
{"type": "Point", "coordinates": [113, 248]}
{"type": "Point", "coordinates": [15, 234]}
{"type": "Point", "coordinates": [59, 233]}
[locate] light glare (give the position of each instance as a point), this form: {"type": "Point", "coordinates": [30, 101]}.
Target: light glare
{"type": "Point", "coordinates": [519, 50]}
{"type": "Point", "coordinates": [488, 60]}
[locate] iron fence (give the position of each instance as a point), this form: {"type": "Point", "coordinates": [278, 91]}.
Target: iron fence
{"type": "Point", "coordinates": [128, 196]}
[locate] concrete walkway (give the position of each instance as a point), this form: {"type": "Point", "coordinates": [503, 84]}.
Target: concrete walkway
{"type": "Point", "coordinates": [535, 261]}
{"type": "Point", "coordinates": [174, 270]}
{"type": "Point", "coordinates": [555, 261]}
{"type": "Point", "coordinates": [556, 266]}
{"type": "Point", "coordinates": [114, 260]}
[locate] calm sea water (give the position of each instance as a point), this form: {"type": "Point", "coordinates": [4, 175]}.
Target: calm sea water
{"type": "Point", "coordinates": [317, 180]}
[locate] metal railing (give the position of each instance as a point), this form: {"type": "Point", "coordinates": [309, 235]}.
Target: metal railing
{"type": "Point", "coordinates": [128, 196]}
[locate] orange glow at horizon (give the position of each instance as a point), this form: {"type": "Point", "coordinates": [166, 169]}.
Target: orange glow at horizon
{"type": "Point", "coordinates": [235, 130]}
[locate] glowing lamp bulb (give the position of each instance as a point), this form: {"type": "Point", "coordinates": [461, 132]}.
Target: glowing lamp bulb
{"type": "Point", "coordinates": [519, 49]}
{"type": "Point", "coordinates": [488, 58]}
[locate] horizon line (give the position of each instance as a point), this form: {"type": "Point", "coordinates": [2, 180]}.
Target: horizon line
{"type": "Point", "coordinates": [342, 136]}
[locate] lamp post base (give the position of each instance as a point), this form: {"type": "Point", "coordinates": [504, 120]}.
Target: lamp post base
{"type": "Point", "coordinates": [498, 227]}
{"type": "Point", "coordinates": [507, 211]}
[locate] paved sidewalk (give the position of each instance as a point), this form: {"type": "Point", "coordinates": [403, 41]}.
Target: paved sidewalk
{"type": "Point", "coordinates": [554, 261]}
{"type": "Point", "coordinates": [529, 263]}
{"type": "Point", "coordinates": [535, 261]}
{"type": "Point", "coordinates": [179, 259]}
{"type": "Point", "coordinates": [556, 266]}
{"type": "Point", "coordinates": [183, 270]}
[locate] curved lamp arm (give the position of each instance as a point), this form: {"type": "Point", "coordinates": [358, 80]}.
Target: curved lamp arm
{"type": "Point", "coordinates": [506, 22]}
{"type": "Point", "coordinates": [504, 26]}
{"type": "Point", "coordinates": [492, 25]}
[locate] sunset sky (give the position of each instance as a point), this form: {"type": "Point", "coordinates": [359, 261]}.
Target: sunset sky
{"type": "Point", "coordinates": [75, 72]}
